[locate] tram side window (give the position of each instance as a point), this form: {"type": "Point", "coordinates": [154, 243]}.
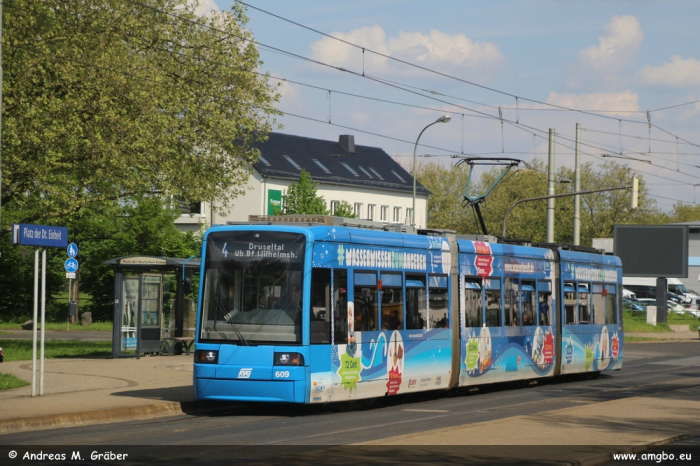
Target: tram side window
{"type": "Point", "coordinates": [366, 301]}
{"type": "Point", "coordinates": [527, 296]}
{"type": "Point", "coordinates": [392, 301]}
{"type": "Point", "coordinates": [584, 304]}
{"type": "Point", "coordinates": [437, 301]}
{"type": "Point", "coordinates": [473, 305]}
{"type": "Point", "coordinates": [340, 297]}
{"type": "Point", "coordinates": [493, 302]}
{"type": "Point", "coordinates": [416, 302]}
{"type": "Point", "coordinates": [544, 306]}
{"type": "Point", "coordinates": [598, 303]}
{"type": "Point", "coordinates": [511, 308]}
{"type": "Point", "coordinates": [569, 303]}
{"type": "Point", "coordinates": [611, 305]}
{"type": "Point", "coordinates": [320, 306]}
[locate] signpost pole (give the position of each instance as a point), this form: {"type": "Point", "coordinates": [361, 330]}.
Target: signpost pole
{"type": "Point", "coordinates": [43, 320]}
{"type": "Point", "coordinates": [70, 285]}
{"type": "Point", "coordinates": [35, 319]}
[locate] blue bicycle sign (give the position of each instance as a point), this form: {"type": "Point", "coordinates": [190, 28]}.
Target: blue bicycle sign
{"type": "Point", "coordinates": [71, 265]}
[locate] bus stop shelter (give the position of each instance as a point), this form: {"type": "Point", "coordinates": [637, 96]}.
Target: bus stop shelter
{"type": "Point", "coordinates": [151, 312]}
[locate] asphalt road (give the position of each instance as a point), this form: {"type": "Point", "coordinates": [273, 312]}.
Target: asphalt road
{"type": "Point", "coordinates": [649, 371]}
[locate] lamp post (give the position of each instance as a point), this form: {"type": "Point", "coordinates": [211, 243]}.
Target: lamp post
{"type": "Point", "coordinates": [442, 119]}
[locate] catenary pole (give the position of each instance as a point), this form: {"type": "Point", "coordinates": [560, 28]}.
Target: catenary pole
{"type": "Point", "coordinates": [577, 187]}
{"type": "Point", "coordinates": [550, 188]}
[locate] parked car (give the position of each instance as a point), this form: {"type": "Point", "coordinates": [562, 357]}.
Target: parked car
{"type": "Point", "coordinates": [693, 307]}
{"type": "Point", "coordinates": [633, 305]}
{"type": "Point", "coordinates": [673, 306]}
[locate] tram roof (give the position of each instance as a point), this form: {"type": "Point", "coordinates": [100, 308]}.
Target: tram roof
{"type": "Point", "coordinates": [321, 228]}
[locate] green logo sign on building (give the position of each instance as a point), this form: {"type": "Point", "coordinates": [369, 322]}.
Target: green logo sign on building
{"type": "Point", "coordinates": [274, 201]}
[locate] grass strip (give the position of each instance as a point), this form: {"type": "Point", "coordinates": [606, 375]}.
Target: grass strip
{"type": "Point", "coordinates": [8, 382]}
{"type": "Point", "coordinates": [21, 350]}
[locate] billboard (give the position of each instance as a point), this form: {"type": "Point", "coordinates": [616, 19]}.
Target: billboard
{"type": "Point", "coordinates": [652, 251]}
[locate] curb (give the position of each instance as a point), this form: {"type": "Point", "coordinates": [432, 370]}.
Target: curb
{"type": "Point", "coordinates": [102, 416]}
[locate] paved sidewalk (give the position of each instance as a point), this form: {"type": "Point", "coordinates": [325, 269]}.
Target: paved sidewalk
{"type": "Point", "coordinates": [90, 391]}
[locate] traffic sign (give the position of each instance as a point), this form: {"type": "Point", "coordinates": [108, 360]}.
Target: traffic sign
{"type": "Point", "coordinates": [70, 275]}
{"type": "Point", "coordinates": [72, 250]}
{"type": "Point", "coordinates": [71, 265]}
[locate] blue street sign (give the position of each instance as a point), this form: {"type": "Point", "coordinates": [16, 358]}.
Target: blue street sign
{"type": "Point", "coordinates": [71, 265]}
{"type": "Point", "coordinates": [72, 250]}
{"type": "Point", "coordinates": [39, 235]}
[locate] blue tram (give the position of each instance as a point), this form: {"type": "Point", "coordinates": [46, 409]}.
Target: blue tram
{"type": "Point", "coordinates": [325, 312]}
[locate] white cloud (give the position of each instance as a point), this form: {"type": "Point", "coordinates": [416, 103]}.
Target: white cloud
{"type": "Point", "coordinates": [437, 50]}
{"type": "Point", "coordinates": [617, 48]}
{"type": "Point", "coordinates": [676, 73]}
{"type": "Point", "coordinates": [624, 101]}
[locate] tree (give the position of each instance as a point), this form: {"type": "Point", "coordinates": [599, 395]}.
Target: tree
{"type": "Point", "coordinates": [112, 99]}
{"type": "Point", "coordinates": [301, 197]}
{"type": "Point", "coordinates": [116, 230]}
{"type": "Point", "coordinates": [446, 209]}
{"type": "Point", "coordinates": [600, 212]}
{"type": "Point", "coordinates": [528, 220]}
{"type": "Point", "coordinates": [684, 213]}
{"type": "Point", "coordinates": [139, 228]}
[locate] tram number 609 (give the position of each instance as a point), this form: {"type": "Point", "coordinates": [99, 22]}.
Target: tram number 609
{"type": "Point", "coordinates": [281, 374]}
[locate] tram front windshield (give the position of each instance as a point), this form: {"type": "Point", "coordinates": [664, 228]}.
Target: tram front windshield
{"type": "Point", "coordinates": [252, 287]}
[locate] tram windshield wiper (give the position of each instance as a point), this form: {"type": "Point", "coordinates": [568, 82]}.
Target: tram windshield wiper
{"type": "Point", "coordinates": [229, 320]}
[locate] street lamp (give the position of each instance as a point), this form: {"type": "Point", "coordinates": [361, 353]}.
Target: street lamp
{"type": "Point", "coordinates": [442, 119]}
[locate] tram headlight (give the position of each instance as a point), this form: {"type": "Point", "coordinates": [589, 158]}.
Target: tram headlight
{"type": "Point", "coordinates": [206, 356]}
{"type": "Point", "coordinates": [289, 359]}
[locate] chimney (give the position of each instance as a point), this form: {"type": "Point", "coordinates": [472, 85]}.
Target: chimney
{"type": "Point", "coordinates": [347, 142]}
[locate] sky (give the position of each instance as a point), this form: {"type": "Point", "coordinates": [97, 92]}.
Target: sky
{"type": "Point", "coordinates": [506, 72]}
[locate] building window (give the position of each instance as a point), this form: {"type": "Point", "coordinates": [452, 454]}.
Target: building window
{"type": "Point", "coordinates": [370, 211]}
{"type": "Point", "coordinates": [358, 210]}
{"type": "Point", "coordinates": [195, 208]}
{"type": "Point", "coordinates": [409, 216]}
{"type": "Point", "coordinates": [334, 207]}
{"type": "Point", "coordinates": [397, 214]}
{"type": "Point", "coordinates": [384, 213]}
